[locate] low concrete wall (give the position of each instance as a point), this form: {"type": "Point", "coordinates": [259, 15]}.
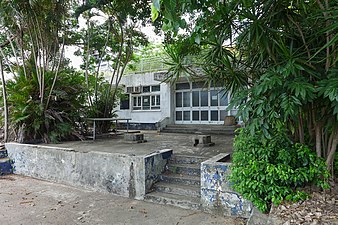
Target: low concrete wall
{"type": "Point", "coordinates": [119, 174]}
{"type": "Point", "coordinates": [216, 193]}
{"type": "Point", "coordinates": [154, 166]}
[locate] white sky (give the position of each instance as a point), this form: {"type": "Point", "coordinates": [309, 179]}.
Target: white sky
{"type": "Point", "coordinates": [76, 61]}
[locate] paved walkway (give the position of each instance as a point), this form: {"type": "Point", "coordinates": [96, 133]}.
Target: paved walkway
{"type": "Point", "coordinates": [29, 201]}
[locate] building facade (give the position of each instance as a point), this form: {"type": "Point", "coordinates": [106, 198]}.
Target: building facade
{"type": "Point", "coordinates": [150, 101]}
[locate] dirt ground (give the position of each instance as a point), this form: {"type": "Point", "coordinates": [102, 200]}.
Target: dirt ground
{"type": "Point", "coordinates": [28, 201]}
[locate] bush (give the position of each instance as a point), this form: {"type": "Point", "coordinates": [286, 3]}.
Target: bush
{"type": "Point", "coordinates": [267, 171]}
{"type": "Point", "coordinates": [31, 119]}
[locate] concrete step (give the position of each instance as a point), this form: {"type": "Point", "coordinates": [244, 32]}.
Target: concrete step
{"type": "Point", "coordinates": [184, 202]}
{"type": "Point", "coordinates": [200, 129]}
{"type": "Point", "coordinates": [202, 126]}
{"type": "Point", "coordinates": [181, 179]}
{"type": "Point", "coordinates": [6, 166]}
{"type": "Point", "coordinates": [177, 189]}
{"type": "Point", "coordinates": [3, 153]}
{"type": "Point", "coordinates": [196, 131]}
{"type": "Point", "coordinates": [188, 169]}
{"type": "Point", "coordinates": [186, 159]}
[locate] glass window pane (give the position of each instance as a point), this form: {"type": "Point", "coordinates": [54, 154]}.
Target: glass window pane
{"type": "Point", "coordinates": [214, 115]}
{"type": "Point", "coordinates": [214, 98]}
{"type": "Point", "coordinates": [224, 113]}
{"type": "Point", "coordinates": [178, 115]}
{"type": "Point", "coordinates": [124, 102]}
{"type": "Point", "coordinates": [158, 101]}
{"type": "Point", "coordinates": [146, 89]}
{"type": "Point", "coordinates": [155, 88]}
{"type": "Point", "coordinates": [153, 100]}
{"type": "Point", "coordinates": [134, 101]}
{"type": "Point", "coordinates": [200, 84]}
{"type": "Point", "coordinates": [179, 99]}
{"type": "Point", "coordinates": [195, 98]}
{"type": "Point", "coordinates": [223, 98]}
{"type": "Point", "coordinates": [146, 102]}
{"type": "Point", "coordinates": [186, 99]}
{"type": "Point", "coordinates": [139, 101]}
{"type": "Point", "coordinates": [186, 115]}
{"type": "Point", "coordinates": [204, 116]}
{"type": "Point", "coordinates": [182, 86]}
{"type": "Point", "coordinates": [204, 98]}
{"type": "Point", "coordinates": [234, 112]}
{"type": "Point", "coordinates": [195, 115]}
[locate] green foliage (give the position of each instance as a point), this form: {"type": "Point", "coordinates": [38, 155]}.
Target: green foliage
{"type": "Point", "coordinates": [28, 113]}
{"type": "Point", "coordinates": [269, 171]}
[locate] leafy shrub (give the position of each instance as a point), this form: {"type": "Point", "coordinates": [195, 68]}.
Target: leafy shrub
{"type": "Point", "coordinates": [267, 171]}
{"type": "Point", "coordinates": [103, 102]}
{"type": "Point", "coordinates": [31, 118]}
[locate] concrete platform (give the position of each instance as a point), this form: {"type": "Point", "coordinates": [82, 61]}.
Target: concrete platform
{"type": "Point", "coordinates": [179, 143]}
{"type": "Point", "coordinates": [111, 164]}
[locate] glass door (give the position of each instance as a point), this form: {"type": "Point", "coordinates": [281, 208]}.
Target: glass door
{"type": "Point", "coordinates": [196, 104]}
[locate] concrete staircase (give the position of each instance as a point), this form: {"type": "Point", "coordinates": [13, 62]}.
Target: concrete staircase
{"type": "Point", "coordinates": [199, 129]}
{"type": "Point", "coordinates": [180, 184]}
{"type": "Point", "coordinates": [5, 162]}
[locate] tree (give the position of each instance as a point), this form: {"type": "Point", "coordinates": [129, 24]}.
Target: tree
{"type": "Point", "coordinates": [278, 58]}
{"type": "Point", "coordinates": [112, 41]}
{"type": "Point", "coordinates": [33, 34]}
{"type": "Point", "coordinates": [262, 44]}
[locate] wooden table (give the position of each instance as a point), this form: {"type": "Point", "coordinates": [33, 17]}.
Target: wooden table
{"type": "Point", "coordinates": [107, 119]}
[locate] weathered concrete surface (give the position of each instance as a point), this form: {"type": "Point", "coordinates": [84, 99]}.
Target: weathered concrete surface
{"type": "Point", "coordinates": [116, 173]}
{"type": "Point", "coordinates": [113, 173]}
{"type": "Point", "coordinates": [216, 193]}
{"type": "Point", "coordinates": [179, 143]}
{"type": "Point", "coordinates": [30, 201]}
{"type": "Point", "coordinates": [154, 165]}
{"type": "Point", "coordinates": [259, 218]}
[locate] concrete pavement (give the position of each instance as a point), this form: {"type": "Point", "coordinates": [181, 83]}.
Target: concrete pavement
{"type": "Point", "coordinates": [28, 201]}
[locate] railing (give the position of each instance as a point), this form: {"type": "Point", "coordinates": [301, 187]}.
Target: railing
{"type": "Point", "coordinates": [153, 64]}
{"type": "Point", "coordinates": [147, 65]}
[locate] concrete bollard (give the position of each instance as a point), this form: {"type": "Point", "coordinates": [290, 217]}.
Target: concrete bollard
{"type": "Point", "coordinates": [203, 140]}
{"type": "Point", "coordinates": [134, 138]}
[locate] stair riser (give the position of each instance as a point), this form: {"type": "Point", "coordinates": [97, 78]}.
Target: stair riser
{"type": "Point", "coordinates": [197, 131]}
{"type": "Point", "coordinates": [166, 201]}
{"type": "Point", "coordinates": [178, 191]}
{"type": "Point", "coordinates": [185, 160]}
{"type": "Point", "coordinates": [185, 170]}
{"type": "Point", "coordinates": [180, 180]}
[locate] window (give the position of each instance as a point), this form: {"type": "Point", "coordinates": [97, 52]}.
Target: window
{"type": "Point", "coordinates": [155, 102]}
{"type": "Point", "coordinates": [146, 89]}
{"type": "Point", "coordinates": [137, 103]}
{"type": "Point", "coordinates": [182, 86]}
{"type": "Point", "coordinates": [146, 102]}
{"type": "Point", "coordinates": [155, 88]}
{"type": "Point", "coordinates": [124, 102]}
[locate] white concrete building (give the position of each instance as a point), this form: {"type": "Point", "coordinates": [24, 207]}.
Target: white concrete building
{"type": "Point", "coordinates": [151, 102]}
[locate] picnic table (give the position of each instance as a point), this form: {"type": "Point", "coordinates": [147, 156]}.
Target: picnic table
{"type": "Point", "coordinates": [107, 119]}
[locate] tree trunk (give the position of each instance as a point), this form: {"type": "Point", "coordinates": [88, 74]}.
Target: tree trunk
{"type": "Point", "coordinates": [4, 94]}
{"type": "Point", "coordinates": [301, 129]}
{"type": "Point", "coordinates": [318, 139]}
{"type": "Point", "coordinates": [332, 150]}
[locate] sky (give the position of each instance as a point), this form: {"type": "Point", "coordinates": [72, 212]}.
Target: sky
{"type": "Point", "coordinates": [76, 61]}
